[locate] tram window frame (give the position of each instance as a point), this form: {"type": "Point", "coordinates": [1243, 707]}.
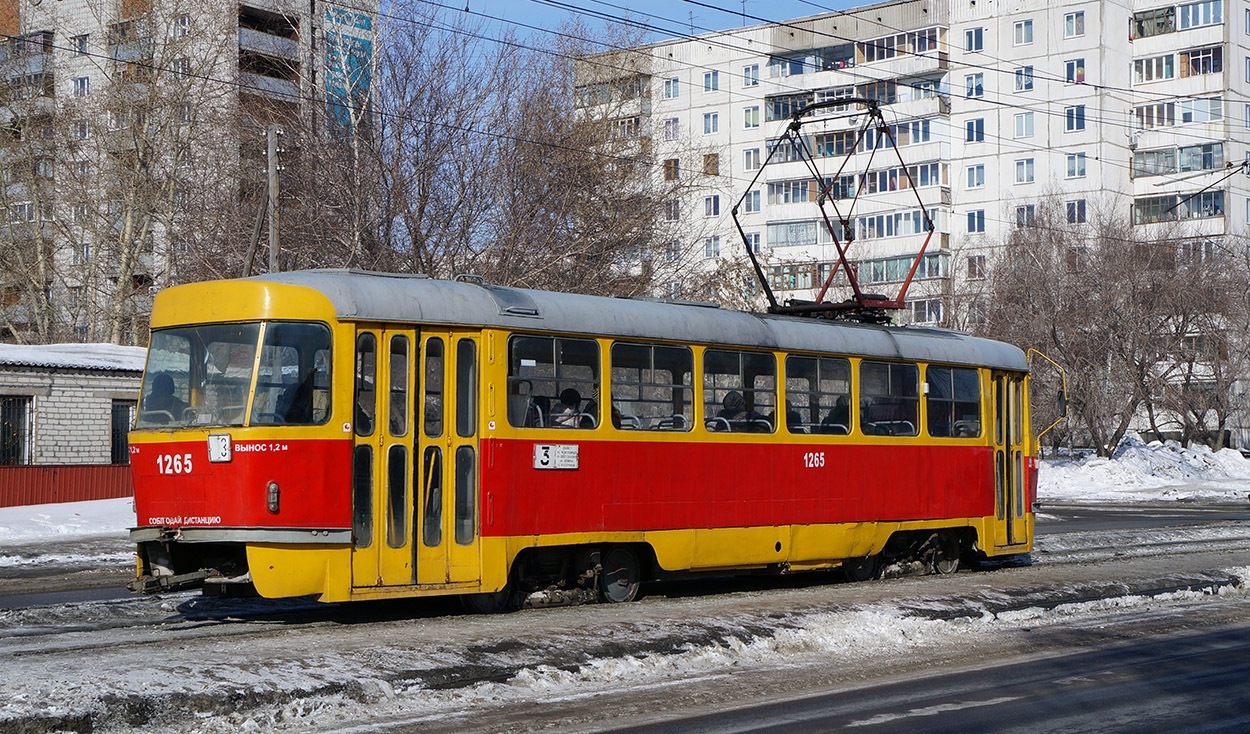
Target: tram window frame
{"type": "Point", "coordinates": [397, 397]}
{"type": "Point", "coordinates": [894, 385]}
{"type": "Point", "coordinates": [806, 378]}
{"type": "Point", "coordinates": [719, 382]}
{"type": "Point", "coordinates": [433, 403]}
{"type": "Point", "coordinates": [466, 388]}
{"type": "Point", "coordinates": [541, 369]}
{"type": "Point", "coordinates": [656, 404]}
{"type": "Point", "coordinates": [305, 400]}
{"type": "Point", "coordinates": [953, 398]}
{"type": "Point", "coordinates": [366, 384]}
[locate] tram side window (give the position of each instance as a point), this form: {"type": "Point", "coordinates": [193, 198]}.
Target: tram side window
{"type": "Point", "coordinates": [553, 382]}
{"type": "Point", "coordinates": [739, 391]}
{"type": "Point", "coordinates": [652, 387]}
{"type": "Point", "coordinates": [889, 399]}
{"type": "Point", "coordinates": [818, 395]}
{"type": "Point", "coordinates": [953, 402]}
{"type": "Point", "coordinates": [366, 374]}
{"type": "Point", "coordinates": [293, 380]}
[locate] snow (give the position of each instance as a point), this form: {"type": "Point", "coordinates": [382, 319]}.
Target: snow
{"type": "Point", "coordinates": [75, 356]}
{"type": "Point", "coordinates": [64, 520]}
{"type": "Point", "coordinates": [1147, 472]}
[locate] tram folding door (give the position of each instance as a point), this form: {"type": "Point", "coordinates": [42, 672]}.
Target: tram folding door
{"type": "Point", "coordinates": [1009, 437]}
{"type": "Point", "coordinates": [381, 460]}
{"type": "Point", "coordinates": [447, 525]}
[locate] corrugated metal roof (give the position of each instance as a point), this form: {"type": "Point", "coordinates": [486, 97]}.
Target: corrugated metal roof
{"type": "Point", "coordinates": [74, 356]}
{"type": "Point", "coordinates": [360, 295]}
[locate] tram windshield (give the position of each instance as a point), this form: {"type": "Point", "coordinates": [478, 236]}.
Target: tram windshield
{"type": "Point", "coordinates": [203, 375]}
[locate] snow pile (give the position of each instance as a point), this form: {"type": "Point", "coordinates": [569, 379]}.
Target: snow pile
{"type": "Point", "coordinates": [1140, 471]}
{"type": "Point", "coordinates": [66, 520]}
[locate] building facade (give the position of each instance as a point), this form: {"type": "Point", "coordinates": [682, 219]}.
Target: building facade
{"type": "Point", "coordinates": [1137, 110]}
{"type": "Point", "coordinates": [133, 127]}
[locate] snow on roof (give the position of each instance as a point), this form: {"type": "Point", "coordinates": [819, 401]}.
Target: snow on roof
{"type": "Point", "coordinates": [75, 356]}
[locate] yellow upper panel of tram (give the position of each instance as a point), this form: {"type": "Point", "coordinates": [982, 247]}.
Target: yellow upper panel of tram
{"type": "Point", "coordinates": [239, 300]}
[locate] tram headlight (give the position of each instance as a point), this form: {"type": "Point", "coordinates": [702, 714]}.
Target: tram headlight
{"type": "Point", "coordinates": [273, 497]}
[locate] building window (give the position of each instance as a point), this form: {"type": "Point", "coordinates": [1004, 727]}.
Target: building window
{"type": "Point", "coordinates": [672, 210]}
{"type": "Point", "coordinates": [751, 202]}
{"type": "Point", "coordinates": [82, 130]}
{"type": "Point", "coordinates": [672, 169]}
{"type": "Point", "coordinates": [751, 158]}
{"type": "Point", "coordinates": [976, 267]}
{"type": "Point", "coordinates": [711, 81]}
{"type": "Point", "coordinates": [1196, 15]}
{"type": "Point", "coordinates": [672, 128]}
{"type": "Point", "coordinates": [82, 86]}
{"type": "Point", "coordinates": [123, 420]}
{"type": "Point", "coordinates": [1024, 125]}
{"type": "Point", "coordinates": [1076, 212]}
{"type": "Point", "coordinates": [711, 123]}
{"type": "Point", "coordinates": [14, 430]}
{"type": "Point", "coordinates": [927, 311]}
{"type": "Point", "coordinates": [1026, 216]}
{"type": "Point", "coordinates": [670, 88]}
{"type": "Point", "coordinates": [672, 252]}
{"type": "Point", "coordinates": [976, 176]}
{"type": "Point", "coordinates": [1074, 118]}
{"type": "Point", "coordinates": [751, 117]}
{"type": "Point", "coordinates": [1074, 24]}
{"type": "Point", "coordinates": [1153, 69]}
{"type": "Point", "coordinates": [753, 241]}
{"type": "Point", "coordinates": [1201, 61]}
{"type": "Point", "coordinates": [976, 220]}
{"type": "Point", "coordinates": [1023, 32]}
{"type": "Point", "coordinates": [974, 85]}
{"type": "Point", "coordinates": [975, 130]}
{"type": "Point", "coordinates": [711, 164]}
{"type": "Point", "coordinates": [1074, 71]}
{"type": "Point", "coordinates": [182, 66]}
{"type": "Point", "coordinates": [1076, 165]}
{"type": "Point", "coordinates": [711, 206]}
{"type": "Point", "coordinates": [1155, 22]}
{"type": "Point", "coordinates": [1024, 79]}
{"type": "Point", "coordinates": [182, 26]}
{"type": "Point", "coordinates": [751, 75]}
{"type": "Point", "coordinates": [1024, 170]}
{"type": "Point", "coordinates": [79, 44]}
{"type": "Point", "coordinates": [974, 39]}
{"type": "Point", "coordinates": [711, 247]}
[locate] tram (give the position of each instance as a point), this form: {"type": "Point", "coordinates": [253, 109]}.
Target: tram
{"type": "Point", "coordinates": [352, 435]}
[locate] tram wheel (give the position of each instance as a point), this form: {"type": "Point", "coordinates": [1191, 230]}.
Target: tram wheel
{"type": "Point", "coordinates": [619, 579]}
{"type": "Point", "coordinates": [862, 569]}
{"type": "Point", "coordinates": [946, 555]}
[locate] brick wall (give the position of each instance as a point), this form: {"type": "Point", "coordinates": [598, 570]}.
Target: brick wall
{"type": "Point", "coordinates": [70, 411]}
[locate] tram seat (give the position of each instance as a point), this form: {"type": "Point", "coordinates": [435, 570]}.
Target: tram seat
{"type": "Point", "coordinates": [835, 429]}
{"type": "Point", "coordinates": [718, 424]}
{"type": "Point", "coordinates": [674, 422]}
{"type": "Point", "coordinates": [631, 422]}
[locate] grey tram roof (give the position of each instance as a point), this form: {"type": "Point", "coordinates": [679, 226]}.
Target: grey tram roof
{"type": "Point", "coordinates": [366, 296]}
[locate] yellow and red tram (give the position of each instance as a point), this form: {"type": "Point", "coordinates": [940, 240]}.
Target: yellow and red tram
{"type": "Point", "coordinates": [355, 435]}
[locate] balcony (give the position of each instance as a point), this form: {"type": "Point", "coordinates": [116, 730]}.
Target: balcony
{"type": "Point", "coordinates": [268, 44]}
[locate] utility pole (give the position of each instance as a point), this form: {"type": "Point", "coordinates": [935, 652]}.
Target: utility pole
{"type": "Point", "coordinates": [271, 135]}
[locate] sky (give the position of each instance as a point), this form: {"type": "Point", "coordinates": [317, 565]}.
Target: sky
{"type": "Point", "coordinates": [669, 17]}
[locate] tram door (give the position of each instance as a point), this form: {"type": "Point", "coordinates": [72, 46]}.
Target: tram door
{"type": "Point", "coordinates": [381, 463]}
{"type": "Point", "coordinates": [447, 523]}
{"type": "Point", "coordinates": [1009, 501]}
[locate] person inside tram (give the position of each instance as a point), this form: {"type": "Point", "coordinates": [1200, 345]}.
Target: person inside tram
{"type": "Point", "coordinates": [161, 399]}
{"type": "Point", "coordinates": [567, 413]}
{"type": "Point", "coordinates": [838, 421]}
{"type": "Point", "coordinates": [734, 410]}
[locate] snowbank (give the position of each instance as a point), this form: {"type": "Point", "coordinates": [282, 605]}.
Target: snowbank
{"type": "Point", "coordinates": [66, 520]}
{"type": "Point", "coordinates": [1139, 471]}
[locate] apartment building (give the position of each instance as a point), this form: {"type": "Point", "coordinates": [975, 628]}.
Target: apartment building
{"type": "Point", "coordinates": [122, 116]}
{"type": "Point", "coordinates": [1132, 109]}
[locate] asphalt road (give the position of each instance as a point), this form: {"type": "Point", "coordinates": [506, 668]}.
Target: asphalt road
{"type": "Point", "coordinates": [1194, 683]}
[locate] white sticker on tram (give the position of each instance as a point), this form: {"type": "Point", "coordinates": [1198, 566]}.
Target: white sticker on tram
{"type": "Point", "coordinates": [555, 456]}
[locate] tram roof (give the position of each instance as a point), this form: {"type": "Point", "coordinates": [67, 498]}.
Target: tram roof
{"type": "Point", "coordinates": [368, 296]}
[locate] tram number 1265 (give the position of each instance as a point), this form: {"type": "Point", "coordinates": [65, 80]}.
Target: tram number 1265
{"type": "Point", "coordinates": [173, 463]}
{"type": "Point", "coordinates": [814, 459]}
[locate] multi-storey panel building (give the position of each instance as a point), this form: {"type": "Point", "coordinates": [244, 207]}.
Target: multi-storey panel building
{"type": "Point", "coordinates": [1131, 110]}
{"type": "Point", "coordinates": [118, 111]}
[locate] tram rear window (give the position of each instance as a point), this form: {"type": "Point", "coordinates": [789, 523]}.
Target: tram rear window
{"type": "Point", "coordinates": [954, 402]}
{"type": "Point", "coordinates": [889, 398]}
{"type": "Point", "coordinates": [202, 376]}
{"type": "Point", "coordinates": [553, 383]}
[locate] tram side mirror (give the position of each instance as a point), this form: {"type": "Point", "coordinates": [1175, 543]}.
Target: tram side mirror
{"type": "Point", "coordinates": [1063, 404]}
